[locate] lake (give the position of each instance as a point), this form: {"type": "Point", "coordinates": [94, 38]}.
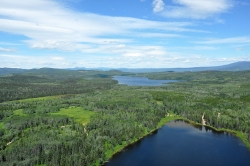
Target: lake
{"type": "Point", "coordinates": [180, 144]}
{"type": "Point", "coordinates": [141, 81]}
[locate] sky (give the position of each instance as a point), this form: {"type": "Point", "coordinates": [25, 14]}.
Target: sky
{"type": "Point", "coordinates": [123, 33]}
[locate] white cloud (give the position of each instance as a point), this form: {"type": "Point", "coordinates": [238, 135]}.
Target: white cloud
{"type": "Point", "coordinates": [22, 61]}
{"type": "Point", "coordinates": [196, 9]}
{"type": "Point", "coordinates": [57, 58]}
{"type": "Point", "coordinates": [133, 54]}
{"type": "Point", "coordinates": [128, 50]}
{"type": "Point", "coordinates": [9, 43]}
{"type": "Point", "coordinates": [158, 35]}
{"type": "Point", "coordinates": [49, 25]}
{"type": "Point", "coordinates": [143, 51]}
{"type": "Point", "coordinates": [238, 48]}
{"type": "Point", "coordinates": [127, 60]}
{"type": "Point", "coordinates": [196, 48]}
{"type": "Point", "coordinates": [158, 5]}
{"type": "Point", "coordinates": [7, 49]}
{"type": "Point", "coordinates": [232, 40]}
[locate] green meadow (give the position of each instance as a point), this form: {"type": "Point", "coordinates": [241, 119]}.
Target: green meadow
{"type": "Point", "coordinates": [79, 114]}
{"type": "Point", "coordinates": [19, 112]}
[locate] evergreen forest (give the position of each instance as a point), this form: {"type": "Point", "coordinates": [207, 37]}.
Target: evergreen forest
{"type": "Point", "coordinates": [63, 117]}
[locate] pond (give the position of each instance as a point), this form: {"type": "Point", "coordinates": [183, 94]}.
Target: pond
{"type": "Point", "coordinates": [141, 81]}
{"type": "Point", "coordinates": [179, 144]}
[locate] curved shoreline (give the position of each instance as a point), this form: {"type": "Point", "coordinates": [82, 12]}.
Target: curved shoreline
{"type": "Point", "coordinates": [233, 132]}
{"type": "Point", "coordinates": [238, 134]}
{"type": "Point", "coordinates": [160, 124]}
{"type": "Point", "coordinates": [130, 144]}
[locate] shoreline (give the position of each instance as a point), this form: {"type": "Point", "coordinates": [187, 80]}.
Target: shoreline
{"type": "Point", "coordinates": [167, 119]}
{"type": "Point", "coordinates": [162, 122]}
{"type": "Point", "coordinates": [130, 144]}
{"type": "Point", "coordinates": [235, 133]}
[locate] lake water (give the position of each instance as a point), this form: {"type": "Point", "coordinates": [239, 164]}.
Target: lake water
{"type": "Point", "coordinates": [180, 144]}
{"type": "Point", "coordinates": [141, 81]}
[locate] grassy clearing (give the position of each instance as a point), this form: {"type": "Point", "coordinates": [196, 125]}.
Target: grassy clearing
{"type": "Point", "coordinates": [159, 102]}
{"type": "Point", "coordinates": [79, 114]}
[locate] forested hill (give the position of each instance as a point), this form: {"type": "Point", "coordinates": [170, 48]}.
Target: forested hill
{"type": "Point", "coordinates": [238, 66]}
{"type": "Point", "coordinates": [60, 74]}
{"type": "Point", "coordinates": [49, 82]}
{"type": "Point", "coordinates": [6, 71]}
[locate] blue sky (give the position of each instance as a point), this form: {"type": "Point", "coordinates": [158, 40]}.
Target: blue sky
{"type": "Point", "coordinates": [123, 33]}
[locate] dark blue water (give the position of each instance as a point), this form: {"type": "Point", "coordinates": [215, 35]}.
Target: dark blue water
{"type": "Point", "coordinates": [141, 81]}
{"type": "Point", "coordinates": [180, 144]}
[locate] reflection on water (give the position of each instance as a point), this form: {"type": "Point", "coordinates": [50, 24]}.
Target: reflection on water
{"type": "Point", "coordinates": [179, 143]}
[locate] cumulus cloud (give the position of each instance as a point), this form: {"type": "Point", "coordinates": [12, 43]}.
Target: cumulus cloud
{"type": "Point", "coordinates": [196, 9]}
{"type": "Point", "coordinates": [158, 6]}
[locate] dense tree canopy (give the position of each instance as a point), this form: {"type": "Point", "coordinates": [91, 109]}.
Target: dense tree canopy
{"type": "Point", "coordinates": [34, 131]}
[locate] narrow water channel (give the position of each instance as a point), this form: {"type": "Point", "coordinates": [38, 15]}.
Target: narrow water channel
{"type": "Point", "coordinates": [181, 144]}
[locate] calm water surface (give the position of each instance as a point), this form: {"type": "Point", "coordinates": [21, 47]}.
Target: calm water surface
{"type": "Point", "coordinates": [141, 81]}
{"type": "Point", "coordinates": [180, 144]}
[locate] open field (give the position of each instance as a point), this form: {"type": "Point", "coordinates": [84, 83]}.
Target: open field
{"type": "Point", "coordinates": [19, 112]}
{"type": "Point", "coordinates": [79, 114]}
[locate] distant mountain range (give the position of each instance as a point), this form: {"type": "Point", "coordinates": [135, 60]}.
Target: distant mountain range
{"type": "Point", "coordinates": [237, 66]}
{"type": "Point", "coordinates": [6, 71]}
